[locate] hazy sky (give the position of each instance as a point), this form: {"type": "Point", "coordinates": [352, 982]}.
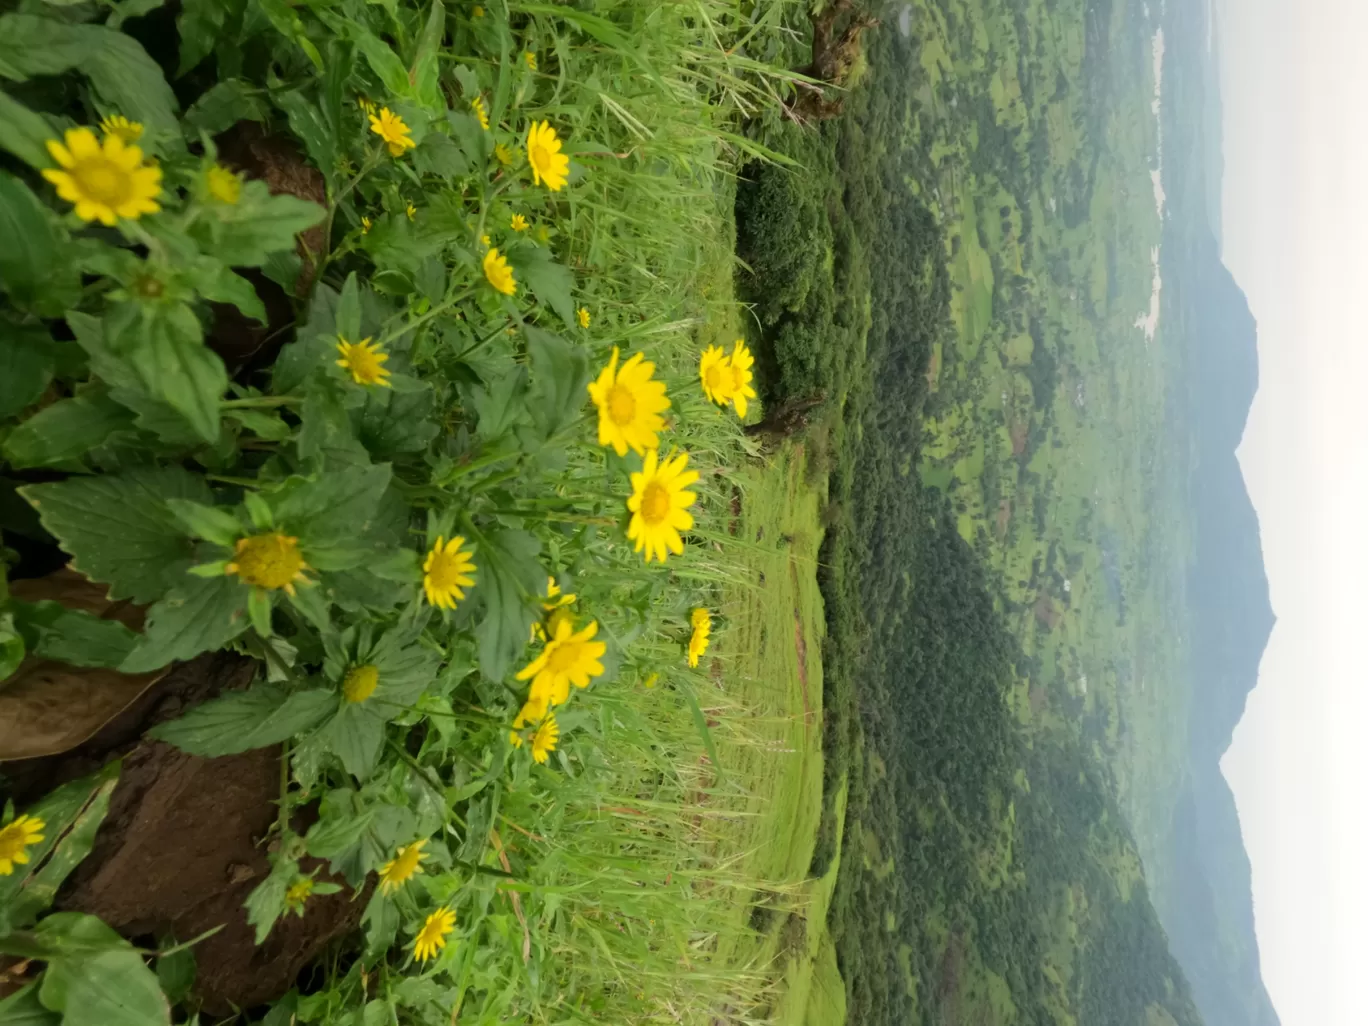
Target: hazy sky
{"type": "Point", "coordinates": [1295, 90]}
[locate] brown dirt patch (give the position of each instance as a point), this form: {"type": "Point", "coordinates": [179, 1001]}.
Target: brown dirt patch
{"type": "Point", "coordinates": [1047, 614]}
{"type": "Point", "coordinates": [1020, 432]}
{"type": "Point", "coordinates": [181, 848]}
{"type": "Point", "coordinates": [1004, 517]}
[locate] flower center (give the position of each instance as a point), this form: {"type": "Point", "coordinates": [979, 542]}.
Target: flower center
{"type": "Point", "coordinates": [621, 405]}
{"type": "Point", "coordinates": [269, 560]}
{"type": "Point", "coordinates": [365, 364]}
{"type": "Point", "coordinates": [359, 684]}
{"type": "Point", "coordinates": [539, 156]}
{"type": "Point", "coordinates": [717, 377]}
{"type": "Point", "coordinates": [103, 181]}
{"type": "Point", "coordinates": [564, 657]}
{"type": "Point", "coordinates": [655, 503]}
{"type": "Point", "coordinates": [444, 570]}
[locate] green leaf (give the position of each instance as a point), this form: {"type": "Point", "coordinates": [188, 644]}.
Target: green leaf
{"type": "Point", "coordinates": [342, 822]}
{"type": "Point", "coordinates": [474, 140]}
{"type": "Point", "coordinates": [34, 267]}
{"type": "Point", "coordinates": [560, 372]}
{"type": "Point", "coordinates": [228, 102]}
{"type": "Point", "coordinates": [242, 720]}
{"type": "Point", "coordinates": [22, 1008]}
{"type": "Point", "coordinates": [355, 735]}
{"type": "Point", "coordinates": [499, 405]}
{"type": "Point", "coordinates": [98, 978]}
{"type": "Point", "coordinates": [58, 435]}
{"type": "Point", "coordinates": [24, 133]}
{"type": "Point", "coordinates": [395, 422]}
{"type": "Point", "coordinates": [199, 24]}
{"type": "Point", "coordinates": [508, 578]}
{"type": "Point", "coordinates": [202, 614]}
{"type": "Point", "coordinates": [127, 9]}
{"type": "Point", "coordinates": [176, 974]}
{"type": "Point", "coordinates": [72, 815]}
{"type": "Point", "coordinates": [259, 224]}
{"type": "Point", "coordinates": [32, 45]}
{"type": "Point", "coordinates": [208, 522]}
{"type": "Point", "coordinates": [349, 310]}
{"type": "Point", "coordinates": [174, 366]}
{"type": "Point", "coordinates": [310, 125]}
{"type": "Point", "coordinates": [437, 154]}
{"type": "Point", "coordinates": [72, 636]}
{"type": "Point", "coordinates": [383, 61]}
{"type": "Point", "coordinates": [424, 73]}
{"type": "Point", "coordinates": [339, 504]}
{"type": "Point", "coordinates": [550, 282]}
{"type": "Point", "coordinates": [11, 646]}
{"type": "Point", "coordinates": [220, 284]}
{"type": "Point", "coordinates": [27, 362]}
{"type": "Point", "coordinates": [266, 903]}
{"type": "Point", "coordinates": [130, 81]}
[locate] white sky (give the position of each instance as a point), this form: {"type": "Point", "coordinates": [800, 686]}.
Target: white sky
{"type": "Point", "coordinates": [1295, 91]}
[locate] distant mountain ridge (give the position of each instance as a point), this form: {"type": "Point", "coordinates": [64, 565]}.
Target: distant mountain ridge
{"type": "Point", "coordinates": [1208, 912]}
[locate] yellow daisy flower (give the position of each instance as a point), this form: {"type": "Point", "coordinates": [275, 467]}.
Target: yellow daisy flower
{"type": "Point", "coordinates": [478, 12]}
{"type": "Point", "coordinates": [432, 938]}
{"type": "Point", "coordinates": [271, 561]}
{"type": "Point", "coordinates": [519, 223]}
{"type": "Point", "coordinates": [503, 154]}
{"type": "Point", "coordinates": [498, 273]}
{"type": "Point", "coordinates": [223, 185]}
{"type": "Point", "coordinates": [568, 658]}
{"type": "Point", "coordinates": [582, 315]}
{"type": "Point", "coordinates": [16, 838]}
{"type": "Point", "coordinates": [403, 867]}
{"type": "Point", "coordinates": [531, 59]}
{"type": "Point", "coordinates": [698, 641]}
{"type": "Point", "coordinates": [545, 739]}
{"type": "Point", "coordinates": [364, 361]}
{"type": "Point", "coordinates": [550, 167]}
{"type": "Point", "coordinates": [651, 681]}
{"type": "Point", "coordinates": [486, 241]}
{"type": "Point", "coordinates": [629, 405]}
{"type": "Point", "coordinates": [714, 370]}
{"type": "Point", "coordinates": [367, 105]}
{"type": "Point", "coordinates": [365, 225]}
{"type": "Point", "coordinates": [106, 181]}
{"type": "Point", "coordinates": [298, 893]}
{"type": "Point", "coordinates": [359, 683]}
{"type": "Point", "coordinates": [116, 124]}
{"type": "Point", "coordinates": [481, 115]}
{"type": "Point", "coordinates": [660, 505]}
{"type": "Point", "coordinates": [411, 211]}
{"type": "Point", "coordinates": [390, 127]}
{"type": "Point", "coordinates": [740, 365]}
{"type": "Point", "coordinates": [446, 572]}
{"type": "Point", "coordinates": [555, 605]}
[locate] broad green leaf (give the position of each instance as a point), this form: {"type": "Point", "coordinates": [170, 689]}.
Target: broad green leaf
{"type": "Point", "coordinates": [32, 45]}
{"type": "Point", "coordinates": [26, 365]}
{"type": "Point", "coordinates": [119, 530]}
{"type": "Point", "coordinates": [131, 82]}
{"type": "Point", "coordinates": [175, 366]}
{"type": "Point", "coordinates": [315, 343]}
{"type": "Point", "coordinates": [34, 269]}
{"type": "Point", "coordinates": [199, 23]}
{"type": "Point", "coordinates": [220, 284]}
{"type": "Point", "coordinates": [227, 102]}
{"type": "Point", "coordinates": [310, 125]}
{"type": "Point", "coordinates": [60, 434]}
{"type": "Point", "coordinates": [508, 577]}
{"type": "Point", "coordinates": [349, 310]}
{"type": "Point", "coordinates": [499, 405]}
{"type": "Point", "coordinates": [342, 822]}
{"type": "Point", "coordinates": [437, 154]}
{"type": "Point", "coordinates": [239, 721]}
{"type": "Point", "coordinates": [176, 974]}
{"type": "Point", "coordinates": [202, 614]}
{"type": "Point", "coordinates": [549, 281]}
{"type": "Point", "coordinates": [23, 1008]}
{"type": "Point", "coordinates": [383, 61]}
{"type": "Point", "coordinates": [474, 140]}
{"type": "Point", "coordinates": [127, 9]}
{"type": "Point", "coordinates": [338, 504]}
{"type": "Point", "coordinates": [355, 735]}
{"type": "Point", "coordinates": [73, 636]}
{"type": "Point", "coordinates": [24, 133]}
{"type": "Point", "coordinates": [98, 978]}
{"type": "Point", "coordinates": [395, 422]}
{"type": "Point", "coordinates": [71, 816]}
{"type": "Point", "coordinates": [208, 522]}
{"type": "Point", "coordinates": [259, 224]}
{"type": "Point", "coordinates": [560, 372]}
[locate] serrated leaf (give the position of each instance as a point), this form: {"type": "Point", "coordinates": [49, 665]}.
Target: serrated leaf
{"type": "Point", "coordinates": [266, 903]}
{"type": "Point", "coordinates": [338, 504]}
{"type": "Point", "coordinates": [560, 372]}
{"type": "Point", "coordinates": [227, 102]}
{"type": "Point", "coordinates": [424, 72]}
{"type": "Point", "coordinates": [549, 281]}
{"type": "Point", "coordinates": [207, 522]}
{"type": "Point", "coordinates": [60, 434]}
{"type": "Point", "coordinates": [437, 154]}
{"type": "Point", "coordinates": [383, 61]}
{"type": "Point", "coordinates": [202, 614]}
{"type": "Point", "coordinates": [508, 578]}
{"type": "Point", "coordinates": [199, 24]}
{"type": "Point", "coordinates": [176, 974]}
{"type": "Point", "coordinates": [221, 284]}
{"type": "Point", "coordinates": [355, 735]}
{"type": "Point", "coordinates": [119, 530]}
{"type": "Point", "coordinates": [32, 45]}
{"type": "Point", "coordinates": [131, 82]}
{"type": "Point", "coordinates": [240, 721]}
{"type": "Point", "coordinates": [26, 365]}
{"type": "Point", "coordinates": [98, 978]}
{"type": "Point", "coordinates": [499, 405]}
{"type": "Point", "coordinates": [310, 125]}
{"type": "Point", "coordinates": [349, 310]}
{"type": "Point", "coordinates": [52, 631]}
{"type": "Point", "coordinates": [259, 224]}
